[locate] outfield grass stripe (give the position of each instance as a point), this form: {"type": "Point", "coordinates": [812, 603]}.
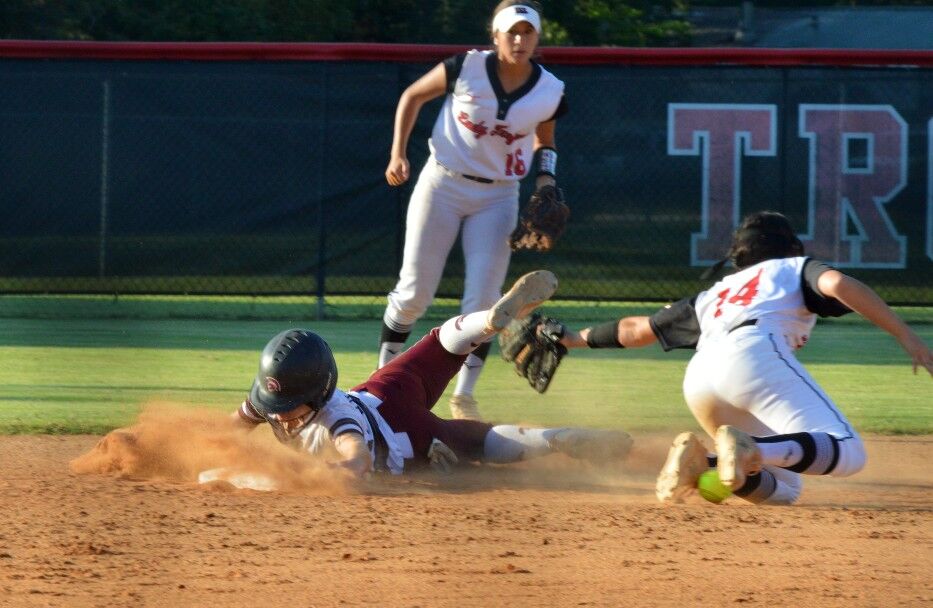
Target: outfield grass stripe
{"type": "Point", "coordinates": [76, 375]}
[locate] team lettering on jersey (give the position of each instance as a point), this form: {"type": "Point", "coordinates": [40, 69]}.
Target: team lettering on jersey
{"type": "Point", "coordinates": [479, 129]}
{"type": "Point", "coordinates": [479, 133]}
{"type": "Point", "coordinates": [501, 131]}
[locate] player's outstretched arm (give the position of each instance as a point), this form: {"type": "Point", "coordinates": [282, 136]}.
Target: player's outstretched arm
{"type": "Point", "coordinates": [628, 332]}
{"type": "Point", "coordinates": [537, 344]}
{"type": "Point", "coordinates": [431, 85]}
{"type": "Point", "coordinates": [862, 299]}
{"type": "Point", "coordinates": [356, 458]}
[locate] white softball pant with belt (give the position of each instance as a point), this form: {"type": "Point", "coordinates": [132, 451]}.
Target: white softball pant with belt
{"type": "Point", "coordinates": [755, 372]}
{"type": "Point", "coordinates": [442, 203]}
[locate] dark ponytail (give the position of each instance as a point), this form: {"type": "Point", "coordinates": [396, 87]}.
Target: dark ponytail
{"type": "Point", "coordinates": [766, 235]}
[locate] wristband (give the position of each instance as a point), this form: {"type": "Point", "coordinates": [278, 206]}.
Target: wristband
{"type": "Point", "coordinates": [546, 159]}
{"type": "Point", "coordinates": [604, 336]}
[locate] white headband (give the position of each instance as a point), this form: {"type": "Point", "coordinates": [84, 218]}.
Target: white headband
{"type": "Point", "coordinates": [510, 15]}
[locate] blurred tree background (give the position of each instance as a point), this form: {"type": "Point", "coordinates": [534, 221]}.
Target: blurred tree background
{"type": "Point", "coordinates": [568, 22]}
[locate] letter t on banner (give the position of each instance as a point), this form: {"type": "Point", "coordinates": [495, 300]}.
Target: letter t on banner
{"type": "Point", "coordinates": [720, 134]}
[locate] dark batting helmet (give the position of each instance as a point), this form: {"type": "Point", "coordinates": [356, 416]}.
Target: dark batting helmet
{"type": "Point", "coordinates": [296, 367]}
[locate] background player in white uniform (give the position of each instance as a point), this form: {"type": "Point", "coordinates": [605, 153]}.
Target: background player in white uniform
{"type": "Point", "coordinates": [770, 420]}
{"type": "Point", "coordinates": [500, 111]}
{"type": "Point", "coordinates": [386, 423]}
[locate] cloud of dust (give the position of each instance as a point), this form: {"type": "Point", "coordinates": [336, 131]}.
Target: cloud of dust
{"type": "Point", "coordinates": [173, 443]}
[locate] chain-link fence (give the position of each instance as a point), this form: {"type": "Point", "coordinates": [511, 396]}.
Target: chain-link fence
{"type": "Point", "coordinates": [266, 177]}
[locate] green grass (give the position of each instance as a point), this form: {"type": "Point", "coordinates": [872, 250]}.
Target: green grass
{"type": "Point", "coordinates": [73, 373]}
{"type": "Point", "coordinates": [264, 308]}
{"type": "Point", "coordinates": [301, 309]}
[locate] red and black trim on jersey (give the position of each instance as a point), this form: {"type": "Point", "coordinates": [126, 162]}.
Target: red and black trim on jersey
{"type": "Point", "coordinates": [677, 325]}
{"type": "Point", "coordinates": [453, 66]}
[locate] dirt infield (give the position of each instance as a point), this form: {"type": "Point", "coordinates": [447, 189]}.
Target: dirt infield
{"type": "Point", "coordinates": [549, 533]}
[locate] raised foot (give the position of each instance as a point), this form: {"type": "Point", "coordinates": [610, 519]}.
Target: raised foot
{"type": "Point", "coordinates": [528, 292]}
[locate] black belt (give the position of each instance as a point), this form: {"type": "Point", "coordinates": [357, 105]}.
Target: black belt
{"type": "Point", "coordinates": [482, 180]}
{"type": "Point", "coordinates": [747, 323]}
{"type": "Point", "coordinates": [381, 448]}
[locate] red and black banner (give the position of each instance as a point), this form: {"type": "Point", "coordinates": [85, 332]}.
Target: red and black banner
{"type": "Point", "coordinates": [252, 167]}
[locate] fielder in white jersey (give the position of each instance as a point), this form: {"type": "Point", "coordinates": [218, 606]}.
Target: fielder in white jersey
{"type": "Point", "coordinates": [386, 423]}
{"type": "Point", "coordinates": [770, 420]}
{"type": "Point", "coordinates": [496, 123]}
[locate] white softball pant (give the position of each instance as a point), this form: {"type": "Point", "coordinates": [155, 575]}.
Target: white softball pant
{"type": "Point", "coordinates": [751, 379]}
{"type": "Point", "coordinates": [441, 204]}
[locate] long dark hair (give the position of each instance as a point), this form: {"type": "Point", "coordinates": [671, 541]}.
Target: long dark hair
{"type": "Point", "coordinates": [765, 235]}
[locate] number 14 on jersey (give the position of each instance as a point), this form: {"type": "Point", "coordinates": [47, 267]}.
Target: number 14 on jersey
{"type": "Point", "coordinates": [743, 297]}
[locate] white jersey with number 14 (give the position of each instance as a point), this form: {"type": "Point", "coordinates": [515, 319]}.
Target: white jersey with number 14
{"type": "Point", "coordinates": [769, 293]}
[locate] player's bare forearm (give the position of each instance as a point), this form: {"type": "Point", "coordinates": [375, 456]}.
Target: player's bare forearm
{"type": "Point", "coordinates": [631, 332]}
{"type": "Point", "coordinates": [431, 85]}
{"type": "Point", "coordinates": [635, 332]}
{"type": "Point", "coordinates": [398, 171]}
{"type": "Point", "coordinates": [862, 299]}
{"type": "Point", "coordinates": [355, 454]}
{"type": "Point", "coordinates": [575, 339]}
{"type": "Point", "coordinates": [405, 116]}
{"type": "Point", "coordinates": [544, 135]}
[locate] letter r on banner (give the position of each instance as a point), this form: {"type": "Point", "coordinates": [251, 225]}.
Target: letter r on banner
{"type": "Point", "coordinates": [858, 163]}
{"type": "Point", "coordinates": [720, 134]}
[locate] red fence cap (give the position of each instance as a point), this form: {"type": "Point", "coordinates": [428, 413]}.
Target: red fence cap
{"type": "Point", "coordinates": [423, 53]}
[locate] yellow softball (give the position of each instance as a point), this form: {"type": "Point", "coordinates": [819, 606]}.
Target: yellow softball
{"type": "Point", "coordinates": [711, 488]}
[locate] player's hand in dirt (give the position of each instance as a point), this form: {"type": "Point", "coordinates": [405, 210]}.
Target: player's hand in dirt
{"type": "Point", "coordinates": [442, 458]}
{"type": "Point", "coordinates": [356, 454]}
{"type": "Point", "coordinates": [398, 171]}
{"type": "Point", "coordinates": [352, 469]}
